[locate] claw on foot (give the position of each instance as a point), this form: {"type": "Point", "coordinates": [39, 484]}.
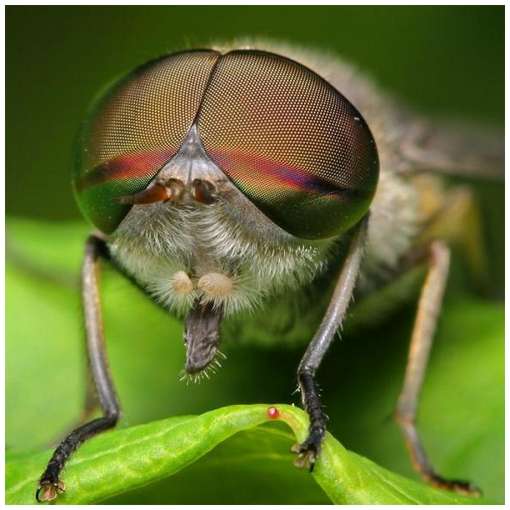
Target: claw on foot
{"type": "Point", "coordinates": [306, 456]}
{"type": "Point", "coordinates": [459, 486]}
{"type": "Point", "coordinates": [48, 491]}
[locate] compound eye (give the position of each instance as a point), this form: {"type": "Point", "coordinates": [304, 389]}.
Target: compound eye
{"type": "Point", "coordinates": [134, 129]}
{"type": "Point", "coordinates": [287, 139]}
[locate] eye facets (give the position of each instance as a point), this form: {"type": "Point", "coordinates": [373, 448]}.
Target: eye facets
{"type": "Point", "coordinates": [134, 129]}
{"type": "Point", "coordinates": [290, 142]}
{"type": "Point", "coordinates": [284, 137]}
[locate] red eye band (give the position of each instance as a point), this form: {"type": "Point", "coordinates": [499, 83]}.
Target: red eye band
{"type": "Point", "coordinates": [285, 137]}
{"type": "Point", "coordinates": [253, 172]}
{"type": "Point", "coordinates": [126, 168]}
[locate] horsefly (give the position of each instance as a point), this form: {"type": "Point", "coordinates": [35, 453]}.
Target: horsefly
{"type": "Point", "coordinates": [223, 180]}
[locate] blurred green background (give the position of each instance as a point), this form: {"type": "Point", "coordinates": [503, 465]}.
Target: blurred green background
{"type": "Point", "coordinates": [444, 61]}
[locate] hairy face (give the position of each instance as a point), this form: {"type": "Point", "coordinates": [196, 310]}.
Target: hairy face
{"type": "Point", "coordinates": [209, 252]}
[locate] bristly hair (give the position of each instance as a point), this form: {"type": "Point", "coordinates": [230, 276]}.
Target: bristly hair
{"type": "Point", "coordinates": [155, 241]}
{"type": "Point", "coordinates": [204, 374]}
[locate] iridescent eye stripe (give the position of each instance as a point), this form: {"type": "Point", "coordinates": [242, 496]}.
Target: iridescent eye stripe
{"type": "Point", "coordinates": [134, 127]}
{"type": "Point", "coordinates": [252, 172]}
{"type": "Point", "coordinates": [290, 142]}
{"type": "Point", "coordinates": [285, 137]}
{"type": "Point", "coordinates": [125, 168]}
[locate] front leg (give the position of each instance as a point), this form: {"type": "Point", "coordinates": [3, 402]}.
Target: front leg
{"type": "Point", "coordinates": [50, 484]}
{"type": "Point", "coordinates": [335, 314]}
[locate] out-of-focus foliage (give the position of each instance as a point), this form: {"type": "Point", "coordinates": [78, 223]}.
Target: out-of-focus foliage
{"type": "Point", "coordinates": [461, 415]}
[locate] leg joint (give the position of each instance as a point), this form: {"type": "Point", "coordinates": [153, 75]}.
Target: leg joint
{"type": "Point", "coordinates": [404, 417]}
{"type": "Point", "coordinates": [112, 415]}
{"type": "Point", "coordinates": [305, 372]}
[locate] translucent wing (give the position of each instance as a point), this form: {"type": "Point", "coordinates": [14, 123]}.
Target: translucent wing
{"type": "Point", "coordinates": [453, 148]}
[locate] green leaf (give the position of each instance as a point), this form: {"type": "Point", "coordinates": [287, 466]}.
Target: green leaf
{"type": "Point", "coordinates": [461, 413]}
{"type": "Point", "coordinates": [127, 459]}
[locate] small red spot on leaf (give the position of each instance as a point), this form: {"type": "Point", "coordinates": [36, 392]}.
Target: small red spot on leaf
{"type": "Point", "coordinates": [273, 413]}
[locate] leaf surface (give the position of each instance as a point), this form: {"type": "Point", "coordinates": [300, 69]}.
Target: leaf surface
{"type": "Point", "coordinates": [130, 458]}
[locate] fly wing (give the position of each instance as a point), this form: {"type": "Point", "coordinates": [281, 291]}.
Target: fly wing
{"type": "Point", "coordinates": [455, 148]}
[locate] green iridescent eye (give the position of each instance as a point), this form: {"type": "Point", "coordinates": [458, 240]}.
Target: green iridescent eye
{"type": "Point", "coordinates": [135, 128]}
{"type": "Point", "coordinates": [290, 142]}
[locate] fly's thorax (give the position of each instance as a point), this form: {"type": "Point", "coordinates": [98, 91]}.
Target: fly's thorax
{"type": "Point", "coordinates": [395, 222]}
{"type": "Point", "coordinates": [225, 251]}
